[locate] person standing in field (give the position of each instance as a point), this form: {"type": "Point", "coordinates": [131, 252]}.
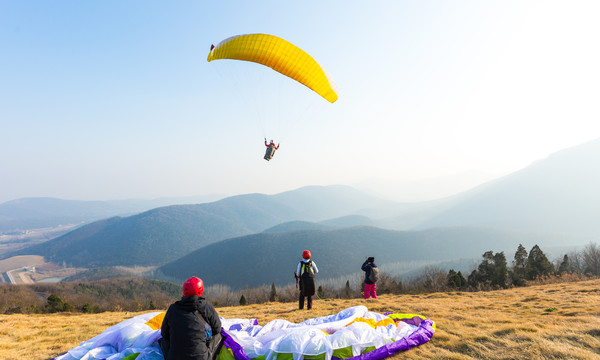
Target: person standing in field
{"type": "Point", "coordinates": [191, 329]}
{"type": "Point", "coordinates": [305, 272]}
{"type": "Point", "coordinates": [371, 277]}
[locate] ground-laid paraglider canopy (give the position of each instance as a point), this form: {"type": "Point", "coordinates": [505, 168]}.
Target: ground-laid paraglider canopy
{"type": "Point", "coordinates": [354, 333]}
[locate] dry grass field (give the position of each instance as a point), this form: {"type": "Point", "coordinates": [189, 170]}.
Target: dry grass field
{"type": "Point", "coordinates": [555, 321]}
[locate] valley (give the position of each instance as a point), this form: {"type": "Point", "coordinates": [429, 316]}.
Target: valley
{"type": "Point", "coordinates": [29, 269]}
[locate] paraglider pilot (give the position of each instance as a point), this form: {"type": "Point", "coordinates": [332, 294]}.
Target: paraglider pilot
{"type": "Point", "coordinates": [305, 272]}
{"type": "Point", "coordinates": [270, 149]}
{"type": "Point", "coordinates": [191, 328]}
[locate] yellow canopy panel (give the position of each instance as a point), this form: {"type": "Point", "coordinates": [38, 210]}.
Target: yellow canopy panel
{"type": "Point", "coordinates": [281, 56]}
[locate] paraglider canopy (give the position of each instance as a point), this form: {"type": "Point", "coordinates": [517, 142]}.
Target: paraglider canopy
{"type": "Point", "coordinates": [352, 334]}
{"type": "Point", "coordinates": [280, 55]}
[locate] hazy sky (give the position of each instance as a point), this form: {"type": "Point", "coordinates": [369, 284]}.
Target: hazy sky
{"type": "Point", "coordinates": [115, 99]}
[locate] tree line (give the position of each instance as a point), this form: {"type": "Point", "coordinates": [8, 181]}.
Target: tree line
{"type": "Point", "coordinates": [493, 272]}
{"type": "Point", "coordinates": [124, 294]}
{"type": "Point", "coordinates": [140, 294]}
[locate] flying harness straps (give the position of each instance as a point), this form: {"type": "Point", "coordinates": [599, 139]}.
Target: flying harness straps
{"type": "Point", "coordinates": [203, 323]}
{"type": "Point", "coordinates": [307, 269]}
{"type": "Point", "coordinates": [214, 347]}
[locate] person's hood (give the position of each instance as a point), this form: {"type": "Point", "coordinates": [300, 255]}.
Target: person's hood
{"type": "Point", "coordinates": [190, 303]}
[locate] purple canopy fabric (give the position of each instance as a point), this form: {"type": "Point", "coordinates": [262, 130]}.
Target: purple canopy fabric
{"type": "Point", "coordinates": [417, 331]}
{"type": "Point", "coordinates": [423, 334]}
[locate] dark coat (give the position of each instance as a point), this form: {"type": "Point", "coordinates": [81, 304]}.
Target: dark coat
{"type": "Point", "coordinates": [307, 281]}
{"type": "Point", "coordinates": [183, 331]}
{"type": "Point", "coordinates": [366, 267]}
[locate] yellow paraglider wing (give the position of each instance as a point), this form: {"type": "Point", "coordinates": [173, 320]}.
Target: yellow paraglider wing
{"type": "Point", "coordinates": [280, 55]}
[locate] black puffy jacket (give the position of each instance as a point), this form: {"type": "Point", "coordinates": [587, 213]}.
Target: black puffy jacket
{"type": "Point", "coordinates": [183, 331]}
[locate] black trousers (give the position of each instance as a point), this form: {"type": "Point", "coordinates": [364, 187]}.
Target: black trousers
{"type": "Point", "coordinates": [308, 301]}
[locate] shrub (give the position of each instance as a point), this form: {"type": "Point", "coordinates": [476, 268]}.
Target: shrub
{"type": "Point", "coordinates": [273, 294]}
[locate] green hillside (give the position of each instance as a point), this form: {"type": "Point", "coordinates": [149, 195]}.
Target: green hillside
{"type": "Point", "coordinates": [150, 238]}
{"type": "Point", "coordinates": [164, 234]}
{"type": "Point", "coordinates": [264, 258]}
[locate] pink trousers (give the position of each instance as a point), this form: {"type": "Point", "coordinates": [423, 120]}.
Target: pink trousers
{"type": "Point", "coordinates": [371, 291]}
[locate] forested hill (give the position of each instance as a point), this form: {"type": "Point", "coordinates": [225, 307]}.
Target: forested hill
{"type": "Point", "coordinates": [164, 234]}
{"type": "Point", "coordinates": [151, 238]}
{"type": "Point", "coordinates": [258, 259]}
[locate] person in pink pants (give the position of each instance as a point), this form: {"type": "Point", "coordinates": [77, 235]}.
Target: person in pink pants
{"type": "Point", "coordinates": [371, 277]}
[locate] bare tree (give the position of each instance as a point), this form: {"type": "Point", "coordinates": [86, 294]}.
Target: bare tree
{"type": "Point", "coordinates": [288, 294]}
{"type": "Point", "coordinates": [591, 259]}
{"type": "Point", "coordinates": [575, 262]}
{"type": "Point", "coordinates": [433, 279]}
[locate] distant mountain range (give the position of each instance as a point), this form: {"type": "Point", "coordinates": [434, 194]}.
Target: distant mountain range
{"type": "Point", "coordinates": [554, 198]}
{"type": "Point", "coordinates": [30, 213]}
{"type": "Point", "coordinates": [558, 195]}
{"type": "Point", "coordinates": [161, 235]}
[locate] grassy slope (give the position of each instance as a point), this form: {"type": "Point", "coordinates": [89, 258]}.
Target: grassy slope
{"type": "Point", "coordinates": [506, 324]}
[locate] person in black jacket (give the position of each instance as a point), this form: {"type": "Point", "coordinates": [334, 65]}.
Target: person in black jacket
{"type": "Point", "coordinates": [305, 274]}
{"type": "Point", "coordinates": [370, 277]}
{"type": "Point", "coordinates": [191, 329]}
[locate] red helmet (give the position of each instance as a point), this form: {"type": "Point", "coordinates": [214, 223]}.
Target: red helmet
{"type": "Point", "coordinates": [306, 254]}
{"type": "Point", "coordinates": [193, 286]}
